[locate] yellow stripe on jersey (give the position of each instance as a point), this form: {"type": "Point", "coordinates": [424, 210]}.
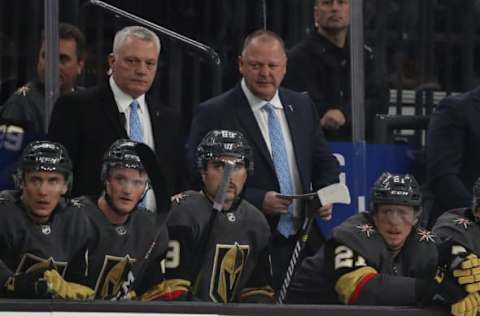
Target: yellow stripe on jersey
{"type": "Point", "coordinates": [347, 283]}
{"type": "Point", "coordinates": [263, 291]}
{"type": "Point", "coordinates": [166, 288]}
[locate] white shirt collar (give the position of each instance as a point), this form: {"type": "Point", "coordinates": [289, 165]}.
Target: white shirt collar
{"type": "Point", "coordinates": [122, 99]}
{"type": "Point", "coordinates": [256, 103]}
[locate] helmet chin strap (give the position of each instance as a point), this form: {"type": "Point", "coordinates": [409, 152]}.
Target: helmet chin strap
{"type": "Point", "coordinates": [108, 199]}
{"type": "Point", "coordinates": [35, 218]}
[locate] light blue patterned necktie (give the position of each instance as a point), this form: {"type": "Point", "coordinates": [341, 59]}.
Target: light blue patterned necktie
{"type": "Point", "coordinates": [280, 162]}
{"type": "Point", "coordinates": [136, 130]}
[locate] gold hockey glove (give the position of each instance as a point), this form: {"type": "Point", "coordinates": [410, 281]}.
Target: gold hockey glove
{"type": "Point", "coordinates": [468, 273]}
{"type": "Point", "coordinates": [467, 306]}
{"type": "Point", "coordinates": [59, 288]}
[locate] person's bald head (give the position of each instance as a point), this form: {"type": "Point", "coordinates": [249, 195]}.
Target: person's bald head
{"type": "Point", "coordinates": [263, 63]}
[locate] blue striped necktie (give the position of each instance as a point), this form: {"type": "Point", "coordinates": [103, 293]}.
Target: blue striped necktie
{"type": "Point", "coordinates": [136, 130]}
{"type": "Point", "coordinates": [280, 162]}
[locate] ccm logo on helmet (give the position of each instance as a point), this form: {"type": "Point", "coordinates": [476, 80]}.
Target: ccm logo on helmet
{"type": "Point", "coordinates": [394, 192]}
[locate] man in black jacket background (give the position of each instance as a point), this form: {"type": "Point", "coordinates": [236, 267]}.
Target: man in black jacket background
{"type": "Point", "coordinates": [320, 65]}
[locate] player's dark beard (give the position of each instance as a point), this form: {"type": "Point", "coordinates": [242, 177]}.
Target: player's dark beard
{"type": "Point", "coordinates": [235, 202]}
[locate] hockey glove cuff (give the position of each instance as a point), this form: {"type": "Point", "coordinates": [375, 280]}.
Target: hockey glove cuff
{"type": "Point", "coordinates": [443, 288]}
{"type": "Point", "coordinates": [26, 285]}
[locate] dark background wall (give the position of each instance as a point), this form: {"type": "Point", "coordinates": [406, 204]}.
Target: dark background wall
{"type": "Point", "coordinates": [428, 44]}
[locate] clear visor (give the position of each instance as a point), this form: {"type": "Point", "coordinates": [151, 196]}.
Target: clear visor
{"type": "Point", "coordinates": [124, 182]}
{"type": "Point", "coordinates": [397, 215]}
{"type": "Point", "coordinates": [237, 163]}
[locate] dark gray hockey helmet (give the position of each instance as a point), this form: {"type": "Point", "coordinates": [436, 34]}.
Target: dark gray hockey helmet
{"type": "Point", "coordinates": [396, 189]}
{"type": "Point", "coordinates": [219, 143]}
{"type": "Point", "coordinates": [121, 154]}
{"type": "Point", "coordinates": [45, 156]}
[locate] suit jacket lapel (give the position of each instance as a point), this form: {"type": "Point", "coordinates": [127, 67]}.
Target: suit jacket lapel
{"type": "Point", "coordinates": [296, 127]}
{"type": "Point", "coordinates": [155, 121]}
{"type": "Point", "coordinates": [249, 123]}
{"type": "Point", "coordinates": [109, 106]}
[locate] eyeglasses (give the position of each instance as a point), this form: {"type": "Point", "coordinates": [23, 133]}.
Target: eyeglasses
{"type": "Point", "coordinates": [124, 182]}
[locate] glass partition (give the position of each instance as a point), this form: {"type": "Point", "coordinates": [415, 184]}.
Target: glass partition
{"type": "Point", "coordinates": [415, 53]}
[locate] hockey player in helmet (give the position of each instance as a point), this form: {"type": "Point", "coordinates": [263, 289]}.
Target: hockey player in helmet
{"type": "Point", "coordinates": [219, 255]}
{"type": "Point", "coordinates": [460, 228]}
{"type": "Point", "coordinates": [395, 204]}
{"type": "Point", "coordinates": [39, 235]}
{"type": "Point", "coordinates": [125, 181]}
{"type": "Point", "coordinates": [123, 230]}
{"type": "Point", "coordinates": [380, 257]}
{"type": "Point", "coordinates": [462, 225]}
{"type": "Point", "coordinates": [43, 163]}
{"type": "Point", "coordinates": [216, 149]}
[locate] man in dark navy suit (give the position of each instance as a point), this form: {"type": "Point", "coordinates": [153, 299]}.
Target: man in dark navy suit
{"type": "Point", "coordinates": [289, 149]}
{"type": "Point", "coordinates": [453, 140]}
{"type": "Point", "coordinates": [88, 122]}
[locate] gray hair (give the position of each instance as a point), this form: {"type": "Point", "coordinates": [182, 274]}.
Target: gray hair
{"type": "Point", "coordinates": [137, 31]}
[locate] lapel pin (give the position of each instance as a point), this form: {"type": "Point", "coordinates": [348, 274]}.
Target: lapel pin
{"type": "Point", "coordinates": [290, 107]}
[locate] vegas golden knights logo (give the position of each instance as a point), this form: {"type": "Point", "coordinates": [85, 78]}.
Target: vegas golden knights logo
{"type": "Point", "coordinates": [114, 271]}
{"type": "Point", "coordinates": [229, 262]}
{"type": "Point", "coordinates": [30, 263]}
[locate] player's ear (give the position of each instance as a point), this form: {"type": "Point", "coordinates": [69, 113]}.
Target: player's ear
{"type": "Point", "coordinates": [111, 60]}
{"type": "Point", "coordinates": [64, 188]}
{"type": "Point", "coordinates": [19, 180]}
{"type": "Point", "coordinates": [202, 173]}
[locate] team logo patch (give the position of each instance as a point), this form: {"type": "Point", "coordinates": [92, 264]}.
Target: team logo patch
{"type": "Point", "coordinates": [30, 263]}
{"type": "Point", "coordinates": [115, 271]}
{"type": "Point", "coordinates": [23, 90]}
{"type": "Point", "coordinates": [229, 262]}
{"type": "Point", "coordinates": [231, 217]}
{"type": "Point", "coordinates": [76, 203]}
{"type": "Point", "coordinates": [121, 230]}
{"type": "Point", "coordinates": [367, 229]}
{"type": "Point", "coordinates": [462, 222]}
{"type": "Point", "coordinates": [177, 198]}
{"type": "Point", "coordinates": [46, 229]}
{"type": "Point", "coordinates": [425, 235]}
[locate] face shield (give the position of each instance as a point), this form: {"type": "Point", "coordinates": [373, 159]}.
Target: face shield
{"type": "Point", "coordinates": [396, 214]}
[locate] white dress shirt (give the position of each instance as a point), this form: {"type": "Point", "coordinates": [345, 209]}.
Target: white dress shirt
{"type": "Point", "coordinates": [123, 101]}
{"type": "Point", "coordinates": [261, 116]}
